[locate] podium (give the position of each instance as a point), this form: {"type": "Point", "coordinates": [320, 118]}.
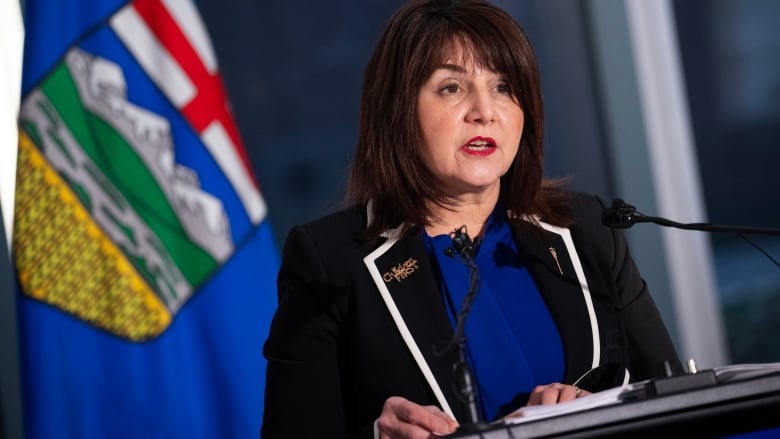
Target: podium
{"type": "Point", "coordinates": [718, 410]}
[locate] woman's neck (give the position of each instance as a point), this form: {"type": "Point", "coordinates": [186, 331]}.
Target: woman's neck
{"type": "Point", "coordinates": [473, 212]}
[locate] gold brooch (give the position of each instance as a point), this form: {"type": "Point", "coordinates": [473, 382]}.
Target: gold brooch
{"type": "Point", "coordinates": [401, 271]}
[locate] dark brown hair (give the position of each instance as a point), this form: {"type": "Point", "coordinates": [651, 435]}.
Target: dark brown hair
{"type": "Point", "coordinates": [387, 169]}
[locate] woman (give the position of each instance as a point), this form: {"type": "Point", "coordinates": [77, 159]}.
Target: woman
{"type": "Point", "coordinates": [369, 297]}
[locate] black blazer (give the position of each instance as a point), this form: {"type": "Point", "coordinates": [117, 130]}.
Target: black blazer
{"type": "Point", "coordinates": [358, 322]}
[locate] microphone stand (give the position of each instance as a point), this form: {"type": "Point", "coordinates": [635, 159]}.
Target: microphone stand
{"type": "Point", "coordinates": [622, 215]}
{"type": "Point", "coordinates": [465, 250]}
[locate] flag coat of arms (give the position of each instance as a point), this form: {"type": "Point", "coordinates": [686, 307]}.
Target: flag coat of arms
{"type": "Point", "coordinates": [143, 252]}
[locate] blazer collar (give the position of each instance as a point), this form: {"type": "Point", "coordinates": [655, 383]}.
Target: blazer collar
{"type": "Point", "coordinates": [402, 272]}
{"type": "Point", "coordinates": [555, 265]}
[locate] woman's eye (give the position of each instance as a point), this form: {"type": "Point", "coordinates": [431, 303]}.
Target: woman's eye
{"type": "Point", "coordinates": [450, 89]}
{"type": "Point", "coordinates": [504, 89]}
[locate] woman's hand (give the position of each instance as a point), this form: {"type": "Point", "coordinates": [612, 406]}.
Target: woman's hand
{"type": "Point", "coordinates": [403, 419]}
{"type": "Point", "coordinates": [555, 393]}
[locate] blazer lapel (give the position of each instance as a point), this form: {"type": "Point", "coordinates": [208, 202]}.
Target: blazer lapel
{"type": "Point", "coordinates": [553, 269]}
{"type": "Point", "coordinates": [403, 274]}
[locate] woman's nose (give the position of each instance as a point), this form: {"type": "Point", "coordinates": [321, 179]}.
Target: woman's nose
{"type": "Point", "coordinates": [482, 108]}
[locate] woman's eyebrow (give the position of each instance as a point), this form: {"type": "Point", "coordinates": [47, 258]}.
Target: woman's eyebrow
{"type": "Point", "coordinates": [451, 67]}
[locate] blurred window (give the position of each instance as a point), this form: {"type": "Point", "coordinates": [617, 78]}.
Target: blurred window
{"type": "Point", "coordinates": [730, 51]}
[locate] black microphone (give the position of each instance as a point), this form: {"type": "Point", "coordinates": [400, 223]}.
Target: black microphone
{"type": "Point", "coordinates": [465, 249]}
{"type": "Point", "coordinates": [463, 245]}
{"type": "Point", "coordinates": [622, 215]}
{"type": "Point", "coordinates": [619, 216]}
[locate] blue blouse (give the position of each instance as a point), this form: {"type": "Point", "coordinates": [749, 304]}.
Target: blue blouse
{"type": "Point", "coordinates": [512, 341]}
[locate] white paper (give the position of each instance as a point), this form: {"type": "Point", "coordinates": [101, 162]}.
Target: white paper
{"type": "Point", "coordinates": [593, 400]}
{"type": "Point", "coordinates": [615, 395]}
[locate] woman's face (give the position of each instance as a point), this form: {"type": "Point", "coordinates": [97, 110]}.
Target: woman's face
{"type": "Point", "coordinates": [471, 126]}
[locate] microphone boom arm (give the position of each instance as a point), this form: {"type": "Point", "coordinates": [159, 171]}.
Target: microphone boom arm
{"type": "Point", "coordinates": [705, 227]}
{"type": "Point", "coordinates": [623, 215]}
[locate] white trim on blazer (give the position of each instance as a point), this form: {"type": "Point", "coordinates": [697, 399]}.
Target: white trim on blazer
{"type": "Point", "coordinates": [575, 260]}
{"type": "Point", "coordinates": [370, 261]}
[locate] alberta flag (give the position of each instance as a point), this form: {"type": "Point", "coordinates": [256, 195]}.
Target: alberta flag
{"type": "Point", "coordinates": [146, 262]}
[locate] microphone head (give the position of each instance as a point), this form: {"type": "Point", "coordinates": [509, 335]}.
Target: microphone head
{"type": "Point", "coordinates": [462, 243]}
{"type": "Point", "coordinates": [619, 216]}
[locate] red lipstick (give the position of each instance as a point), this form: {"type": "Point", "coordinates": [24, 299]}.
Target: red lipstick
{"type": "Point", "coordinates": [480, 146]}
